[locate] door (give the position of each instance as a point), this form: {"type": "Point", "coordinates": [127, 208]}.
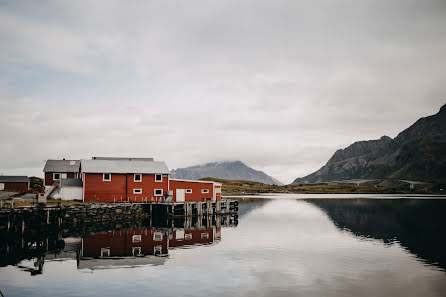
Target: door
{"type": "Point", "coordinates": [2, 186]}
{"type": "Point", "coordinates": [180, 194]}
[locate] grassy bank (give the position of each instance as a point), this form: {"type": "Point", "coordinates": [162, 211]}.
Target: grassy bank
{"type": "Point", "coordinates": [243, 187]}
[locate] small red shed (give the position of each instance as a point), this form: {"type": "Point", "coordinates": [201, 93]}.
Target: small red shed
{"type": "Point", "coordinates": [14, 183]}
{"type": "Point", "coordinates": [195, 190]}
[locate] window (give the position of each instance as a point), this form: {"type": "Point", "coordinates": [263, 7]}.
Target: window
{"type": "Point", "coordinates": [106, 177]}
{"type": "Point", "coordinates": [188, 236]}
{"type": "Point", "coordinates": [105, 252]}
{"type": "Point", "coordinates": [137, 191]}
{"type": "Point", "coordinates": [157, 250]}
{"type": "Point", "coordinates": [157, 236]}
{"type": "Point", "coordinates": [56, 176]}
{"type": "Point", "coordinates": [158, 178]}
{"type": "Point", "coordinates": [158, 192]}
{"type": "Point", "coordinates": [189, 191]}
{"type": "Point", "coordinates": [136, 238]}
{"type": "Point", "coordinates": [136, 251]}
{"type": "Point", "coordinates": [137, 178]}
{"type": "Point", "coordinates": [204, 235]}
{"type": "Point", "coordinates": [205, 191]}
{"type": "Point", "coordinates": [179, 234]}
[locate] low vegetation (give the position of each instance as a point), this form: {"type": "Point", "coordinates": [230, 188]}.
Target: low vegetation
{"type": "Point", "coordinates": [243, 187]}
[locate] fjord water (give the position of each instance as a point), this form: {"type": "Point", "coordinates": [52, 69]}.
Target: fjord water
{"type": "Point", "coordinates": [280, 247]}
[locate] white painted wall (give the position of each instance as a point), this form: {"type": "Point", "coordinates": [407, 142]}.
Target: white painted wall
{"type": "Point", "coordinates": [71, 193]}
{"type": "Point", "coordinates": [67, 193]}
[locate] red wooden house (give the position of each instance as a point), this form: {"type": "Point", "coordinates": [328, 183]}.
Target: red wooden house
{"type": "Point", "coordinates": [124, 179]}
{"type": "Point", "coordinates": [195, 190]}
{"type": "Point", "coordinates": [104, 179]}
{"type": "Point", "coordinates": [14, 183]}
{"type": "Point", "coordinates": [55, 170]}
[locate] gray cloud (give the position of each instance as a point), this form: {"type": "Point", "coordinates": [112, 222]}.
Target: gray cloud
{"type": "Point", "coordinates": [278, 84]}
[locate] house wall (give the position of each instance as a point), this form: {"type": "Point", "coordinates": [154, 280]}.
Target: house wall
{"type": "Point", "coordinates": [121, 243]}
{"type": "Point", "coordinates": [97, 190]}
{"type": "Point", "coordinates": [121, 187]}
{"type": "Point", "coordinates": [195, 237]}
{"type": "Point", "coordinates": [16, 186]}
{"type": "Point", "coordinates": [49, 177]}
{"type": "Point", "coordinates": [148, 186]}
{"type": "Point", "coordinates": [217, 189]}
{"type": "Point", "coordinates": [196, 188]}
{"type": "Point", "coordinates": [71, 193]}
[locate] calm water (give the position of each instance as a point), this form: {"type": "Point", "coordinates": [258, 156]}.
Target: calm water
{"type": "Point", "coordinates": [281, 247]}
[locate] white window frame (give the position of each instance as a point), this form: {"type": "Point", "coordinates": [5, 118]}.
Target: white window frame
{"type": "Point", "coordinates": [204, 235]}
{"type": "Point", "coordinates": [204, 191]}
{"type": "Point", "coordinates": [137, 191]}
{"type": "Point", "coordinates": [136, 238]}
{"type": "Point", "coordinates": [136, 248]}
{"type": "Point", "coordinates": [54, 176]}
{"type": "Point", "coordinates": [140, 178]}
{"type": "Point", "coordinates": [188, 236]}
{"type": "Point", "coordinates": [157, 250]}
{"type": "Point", "coordinates": [105, 250]}
{"type": "Point", "coordinates": [188, 191]}
{"type": "Point", "coordinates": [155, 194]}
{"type": "Point", "coordinates": [159, 181]}
{"type": "Point", "coordinates": [106, 180]}
{"type": "Point", "coordinates": [157, 236]}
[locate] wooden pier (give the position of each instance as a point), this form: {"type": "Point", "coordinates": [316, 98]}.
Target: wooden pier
{"type": "Point", "coordinates": [193, 209]}
{"type": "Point", "coordinates": [22, 217]}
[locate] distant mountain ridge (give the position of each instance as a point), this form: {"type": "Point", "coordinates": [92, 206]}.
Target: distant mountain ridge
{"type": "Point", "coordinates": [417, 153]}
{"type": "Point", "coordinates": [224, 170]}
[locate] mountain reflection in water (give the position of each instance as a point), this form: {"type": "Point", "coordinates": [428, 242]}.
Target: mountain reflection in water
{"type": "Point", "coordinates": [279, 247]}
{"type": "Point", "coordinates": [417, 225]}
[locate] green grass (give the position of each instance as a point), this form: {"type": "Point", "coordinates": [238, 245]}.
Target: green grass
{"type": "Point", "coordinates": [243, 187]}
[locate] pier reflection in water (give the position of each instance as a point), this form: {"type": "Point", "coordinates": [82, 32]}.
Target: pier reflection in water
{"type": "Point", "coordinates": [142, 243]}
{"type": "Point", "coordinates": [280, 247]}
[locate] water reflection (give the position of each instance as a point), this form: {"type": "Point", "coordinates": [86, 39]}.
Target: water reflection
{"type": "Point", "coordinates": [417, 225]}
{"type": "Point", "coordinates": [280, 247]}
{"type": "Point", "coordinates": [141, 243]}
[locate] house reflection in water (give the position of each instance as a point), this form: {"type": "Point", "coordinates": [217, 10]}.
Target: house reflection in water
{"type": "Point", "coordinates": [134, 244]}
{"type": "Point", "coordinates": [136, 247]}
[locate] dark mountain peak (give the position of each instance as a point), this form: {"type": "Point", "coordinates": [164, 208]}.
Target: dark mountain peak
{"type": "Point", "coordinates": [236, 170]}
{"type": "Point", "coordinates": [358, 149]}
{"type": "Point", "coordinates": [417, 153]}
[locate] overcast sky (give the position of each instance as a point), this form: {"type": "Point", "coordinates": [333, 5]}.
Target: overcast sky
{"type": "Point", "coordinates": [280, 85]}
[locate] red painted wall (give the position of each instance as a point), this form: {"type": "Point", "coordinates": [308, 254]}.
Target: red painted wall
{"type": "Point", "coordinates": [196, 237]}
{"type": "Point", "coordinates": [196, 187]}
{"type": "Point", "coordinates": [95, 189]}
{"type": "Point", "coordinates": [148, 186]}
{"type": "Point", "coordinates": [121, 243]}
{"type": "Point", "coordinates": [49, 177]}
{"type": "Point", "coordinates": [16, 186]}
{"type": "Point", "coordinates": [121, 186]}
{"type": "Point", "coordinates": [217, 190]}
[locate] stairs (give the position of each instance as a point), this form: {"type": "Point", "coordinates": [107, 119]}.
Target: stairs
{"type": "Point", "coordinates": [50, 190]}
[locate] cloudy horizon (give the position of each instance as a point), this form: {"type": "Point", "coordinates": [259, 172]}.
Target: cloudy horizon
{"type": "Point", "coordinates": [279, 85]}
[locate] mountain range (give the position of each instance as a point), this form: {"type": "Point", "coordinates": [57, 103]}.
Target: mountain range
{"type": "Point", "coordinates": [235, 170]}
{"type": "Point", "coordinates": [417, 153]}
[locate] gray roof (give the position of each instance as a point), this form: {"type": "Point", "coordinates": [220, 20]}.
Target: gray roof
{"type": "Point", "coordinates": [71, 182]}
{"type": "Point", "coordinates": [122, 158]}
{"type": "Point", "coordinates": [124, 166]}
{"type": "Point", "coordinates": [62, 166]}
{"type": "Point", "coordinates": [13, 179]}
